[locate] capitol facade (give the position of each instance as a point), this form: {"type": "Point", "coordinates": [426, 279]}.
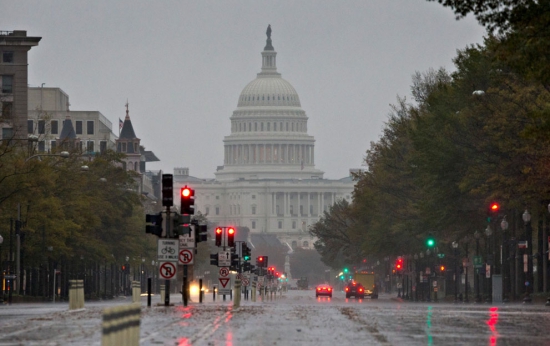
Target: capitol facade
{"type": "Point", "coordinates": [268, 181]}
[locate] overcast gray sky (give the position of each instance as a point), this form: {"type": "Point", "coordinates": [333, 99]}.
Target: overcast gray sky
{"type": "Point", "coordinates": [183, 64]}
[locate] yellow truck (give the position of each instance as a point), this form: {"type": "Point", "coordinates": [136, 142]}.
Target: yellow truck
{"type": "Point", "coordinates": [367, 279]}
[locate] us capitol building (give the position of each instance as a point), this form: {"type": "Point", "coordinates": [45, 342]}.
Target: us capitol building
{"type": "Point", "coordinates": [268, 181]}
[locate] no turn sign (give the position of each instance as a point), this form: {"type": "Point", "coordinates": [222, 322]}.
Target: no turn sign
{"type": "Point", "coordinates": [167, 270]}
{"type": "Point", "coordinates": [186, 256]}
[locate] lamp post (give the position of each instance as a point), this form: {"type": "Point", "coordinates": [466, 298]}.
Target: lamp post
{"type": "Point", "coordinates": [505, 271]}
{"type": "Point", "coordinates": [477, 235]}
{"type": "Point", "coordinates": [489, 265]}
{"type": "Point", "coordinates": [527, 264]}
{"type": "Point", "coordinates": [63, 154]}
{"type": "Point", "coordinates": [455, 252]}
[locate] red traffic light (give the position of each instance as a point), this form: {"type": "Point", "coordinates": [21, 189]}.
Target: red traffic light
{"type": "Point", "coordinates": [494, 207]}
{"type": "Point", "coordinates": [231, 231]}
{"type": "Point", "coordinates": [218, 230]}
{"type": "Point", "coordinates": [399, 264]}
{"type": "Point", "coordinates": [261, 259]}
{"type": "Point", "coordinates": [185, 192]}
{"type": "Point", "coordinates": [442, 268]}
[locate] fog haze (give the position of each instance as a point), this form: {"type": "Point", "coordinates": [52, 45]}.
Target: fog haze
{"type": "Point", "coordinates": [183, 64]}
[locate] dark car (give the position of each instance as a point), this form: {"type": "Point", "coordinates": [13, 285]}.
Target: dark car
{"type": "Point", "coordinates": [355, 289]}
{"type": "Point", "coordinates": [323, 290]}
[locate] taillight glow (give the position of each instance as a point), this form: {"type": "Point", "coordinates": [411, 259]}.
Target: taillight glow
{"type": "Point", "coordinates": [329, 289]}
{"type": "Point", "coordinates": [347, 289]}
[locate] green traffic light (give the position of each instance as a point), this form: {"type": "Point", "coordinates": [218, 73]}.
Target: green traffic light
{"type": "Point", "coordinates": [430, 242]}
{"type": "Point", "coordinates": [246, 258]}
{"type": "Point", "coordinates": [346, 270]}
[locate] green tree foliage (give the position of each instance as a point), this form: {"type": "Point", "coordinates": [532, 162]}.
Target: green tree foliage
{"type": "Point", "coordinates": [472, 136]}
{"type": "Point", "coordinates": [95, 214]}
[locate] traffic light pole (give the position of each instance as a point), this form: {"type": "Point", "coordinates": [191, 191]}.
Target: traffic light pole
{"type": "Point", "coordinates": [168, 234]}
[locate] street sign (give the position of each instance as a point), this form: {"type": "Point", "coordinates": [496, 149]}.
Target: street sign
{"type": "Point", "coordinates": [240, 276]}
{"type": "Point", "coordinates": [187, 241]}
{"type": "Point", "coordinates": [522, 244]}
{"type": "Point", "coordinates": [434, 283]}
{"type": "Point", "coordinates": [224, 259]}
{"type": "Point", "coordinates": [246, 282]}
{"type": "Point", "coordinates": [487, 271]}
{"type": "Point", "coordinates": [186, 256]}
{"type": "Point", "coordinates": [224, 282]}
{"type": "Point", "coordinates": [167, 270]}
{"type": "Point", "coordinates": [224, 291]}
{"type": "Point", "coordinates": [478, 262]}
{"type": "Point", "coordinates": [167, 250]}
{"type": "Point", "coordinates": [224, 271]}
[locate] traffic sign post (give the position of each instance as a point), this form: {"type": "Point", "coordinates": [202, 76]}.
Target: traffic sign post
{"type": "Point", "coordinates": [224, 259]}
{"type": "Point", "coordinates": [167, 270]}
{"type": "Point", "coordinates": [186, 256]}
{"type": "Point", "coordinates": [167, 250]}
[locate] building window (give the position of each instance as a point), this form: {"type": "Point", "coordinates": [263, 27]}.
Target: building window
{"type": "Point", "coordinates": [262, 129]}
{"type": "Point", "coordinates": [306, 244]}
{"type": "Point", "coordinates": [311, 209]}
{"type": "Point", "coordinates": [41, 127]}
{"type": "Point", "coordinates": [253, 224]}
{"type": "Point", "coordinates": [7, 108]}
{"type": "Point", "coordinates": [90, 146]}
{"type": "Point", "coordinates": [90, 127]}
{"type": "Point", "coordinates": [30, 126]}
{"type": "Point", "coordinates": [301, 210]}
{"type": "Point", "coordinates": [78, 127]}
{"type": "Point", "coordinates": [41, 146]}
{"type": "Point", "coordinates": [123, 147]}
{"type": "Point", "coordinates": [268, 127]}
{"type": "Point", "coordinates": [217, 197]}
{"type": "Point", "coordinates": [217, 210]}
{"type": "Point", "coordinates": [54, 127]}
{"type": "Point", "coordinates": [102, 146]}
{"type": "Point", "coordinates": [53, 145]}
{"type": "Point", "coordinates": [280, 225]}
{"type": "Point", "coordinates": [293, 224]}
{"type": "Point", "coordinates": [7, 57]}
{"type": "Point", "coordinates": [253, 196]}
{"type": "Point", "coordinates": [7, 132]}
{"type": "Point", "coordinates": [291, 209]}
{"type": "Point", "coordinates": [277, 209]}
{"type": "Point", "coordinates": [7, 84]}
{"type": "Point", "coordinates": [136, 148]}
{"type": "Point", "coordinates": [254, 210]}
{"type": "Point", "coordinates": [207, 210]}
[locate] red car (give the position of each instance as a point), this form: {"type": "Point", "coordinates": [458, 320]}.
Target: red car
{"type": "Point", "coordinates": [323, 290]}
{"type": "Point", "coordinates": [355, 289]}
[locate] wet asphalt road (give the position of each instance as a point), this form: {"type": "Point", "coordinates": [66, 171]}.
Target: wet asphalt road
{"type": "Point", "coordinates": [296, 318]}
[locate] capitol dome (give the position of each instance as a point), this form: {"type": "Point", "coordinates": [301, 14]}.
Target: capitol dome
{"type": "Point", "coordinates": [269, 138]}
{"type": "Point", "coordinates": [269, 91]}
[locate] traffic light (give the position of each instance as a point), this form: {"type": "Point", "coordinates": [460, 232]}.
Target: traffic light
{"type": "Point", "coordinates": [442, 268]}
{"type": "Point", "coordinates": [167, 190]}
{"type": "Point", "coordinates": [399, 264]}
{"type": "Point", "coordinates": [154, 222]}
{"type": "Point", "coordinates": [234, 261]}
{"type": "Point", "coordinates": [430, 241]}
{"type": "Point", "coordinates": [246, 252]}
{"type": "Point", "coordinates": [231, 237]}
{"type": "Point", "coordinates": [123, 268]}
{"type": "Point", "coordinates": [214, 259]}
{"type": "Point", "coordinates": [247, 267]}
{"type": "Point", "coordinates": [346, 270]}
{"type": "Point", "coordinates": [219, 234]}
{"type": "Point", "coordinates": [187, 195]}
{"type": "Point", "coordinates": [261, 262]}
{"type": "Point", "coordinates": [181, 224]}
{"type": "Point", "coordinates": [201, 233]}
{"type": "Point", "coordinates": [492, 211]}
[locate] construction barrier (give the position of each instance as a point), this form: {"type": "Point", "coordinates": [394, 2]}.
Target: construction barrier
{"type": "Point", "coordinates": [76, 294]}
{"type": "Point", "coordinates": [120, 326]}
{"type": "Point", "coordinates": [136, 292]}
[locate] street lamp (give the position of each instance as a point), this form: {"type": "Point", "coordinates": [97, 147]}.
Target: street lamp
{"type": "Point", "coordinates": [505, 271]}
{"type": "Point", "coordinates": [526, 257]}
{"type": "Point", "coordinates": [455, 250]}
{"type": "Point", "coordinates": [477, 235]}
{"type": "Point", "coordinates": [63, 154]}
